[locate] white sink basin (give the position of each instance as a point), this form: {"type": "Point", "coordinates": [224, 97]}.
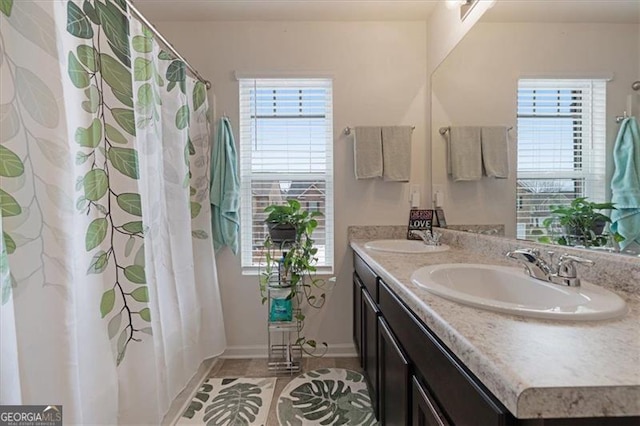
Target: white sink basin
{"type": "Point", "coordinates": [506, 289]}
{"type": "Point", "coordinates": [404, 246]}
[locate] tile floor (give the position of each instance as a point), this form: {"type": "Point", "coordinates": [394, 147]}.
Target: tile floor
{"type": "Point", "coordinates": [259, 368]}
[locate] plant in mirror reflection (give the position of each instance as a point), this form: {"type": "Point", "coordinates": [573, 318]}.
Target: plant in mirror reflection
{"type": "Point", "coordinates": [581, 223]}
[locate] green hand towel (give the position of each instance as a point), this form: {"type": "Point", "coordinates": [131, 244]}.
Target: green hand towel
{"type": "Point", "coordinates": [625, 183]}
{"type": "Point", "coordinates": [225, 189]}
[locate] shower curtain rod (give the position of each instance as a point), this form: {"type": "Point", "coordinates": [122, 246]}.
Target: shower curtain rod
{"type": "Point", "coordinates": [164, 41]}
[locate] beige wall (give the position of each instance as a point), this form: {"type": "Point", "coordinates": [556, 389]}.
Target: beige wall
{"type": "Point", "coordinates": [634, 102]}
{"type": "Point", "coordinates": [379, 74]}
{"type": "Point", "coordinates": [477, 85]}
{"type": "Point", "coordinates": [445, 29]}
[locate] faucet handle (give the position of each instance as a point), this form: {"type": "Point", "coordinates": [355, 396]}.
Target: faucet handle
{"type": "Point", "coordinates": [528, 253]}
{"type": "Point", "coordinates": [571, 258]}
{"type": "Point", "coordinates": [567, 267]}
{"type": "Point", "coordinates": [551, 255]}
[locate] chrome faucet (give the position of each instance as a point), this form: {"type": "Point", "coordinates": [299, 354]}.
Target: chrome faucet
{"type": "Point", "coordinates": [535, 266]}
{"type": "Point", "coordinates": [430, 238]}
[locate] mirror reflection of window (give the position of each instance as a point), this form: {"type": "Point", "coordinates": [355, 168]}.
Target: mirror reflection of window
{"type": "Point", "coordinates": [561, 147]}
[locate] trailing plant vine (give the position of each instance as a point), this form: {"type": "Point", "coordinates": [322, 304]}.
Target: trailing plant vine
{"type": "Point", "coordinates": [292, 265]}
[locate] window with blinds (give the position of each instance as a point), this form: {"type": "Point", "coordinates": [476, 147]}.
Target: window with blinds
{"type": "Point", "coordinates": [561, 147]}
{"type": "Point", "coordinates": [286, 152]}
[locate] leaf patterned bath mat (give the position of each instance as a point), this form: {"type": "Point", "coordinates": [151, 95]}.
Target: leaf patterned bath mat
{"type": "Point", "coordinates": [328, 396]}
{"type": "Point", "coordinates": [230, 402]}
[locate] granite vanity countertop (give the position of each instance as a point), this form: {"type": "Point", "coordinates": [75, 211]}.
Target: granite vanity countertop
{"type": "Point", "coordinates": [536, 368]}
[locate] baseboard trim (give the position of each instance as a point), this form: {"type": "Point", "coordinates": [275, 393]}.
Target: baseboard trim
{"type": "Point", "coordinates": [342, 350]}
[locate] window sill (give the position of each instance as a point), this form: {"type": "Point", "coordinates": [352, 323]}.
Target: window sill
{"type": "Point", "coordinates": [323, 271]}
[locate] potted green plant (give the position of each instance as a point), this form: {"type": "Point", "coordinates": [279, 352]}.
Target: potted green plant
{"type": "Point", "coordinates": [579, 223]}
{"type": "Point", "coordinates": [287, 222]}
{"type": "Point", "coordinates": [290, 263]}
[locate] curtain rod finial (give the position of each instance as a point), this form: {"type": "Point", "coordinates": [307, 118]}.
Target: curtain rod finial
{"type": "Point", "coordinates": [207, 84]}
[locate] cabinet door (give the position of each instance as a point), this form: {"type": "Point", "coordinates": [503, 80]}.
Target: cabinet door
{"type": "Point", "coordinates": [425, 411]}
{"type": "Point", "coordinates": [393, 379]}
{"type": "Point", "coordinates": [462, 397]}
{"type": "Point", "coordinates": [370, 314]}
{"type": "Point", "coordinates": [357, 317]}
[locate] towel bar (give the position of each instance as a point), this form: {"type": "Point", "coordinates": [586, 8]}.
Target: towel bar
{"type": "Point", "coordinates": [444, 130]}
{"type": "Point", "coordinates": [347, 130]}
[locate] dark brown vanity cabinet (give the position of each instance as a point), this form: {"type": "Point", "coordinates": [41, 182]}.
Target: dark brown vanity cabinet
{"type": "Point", "coordinates": [357, 316]}
{"type": "Point", "coordinates": [424, 409]}
{"type": "Point", "coordinates": [452, 393]}
{"type": "Point", "coordinates": [366, 312]}
{"type": "Point", "coordinates": [370, 313]}
{"type": "Point", "coordinates": [414, 379]}
{"type": "Point", "coordinates": [393, 379]}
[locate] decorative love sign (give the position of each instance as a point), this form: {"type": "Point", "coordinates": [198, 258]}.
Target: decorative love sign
{"type": "Point", "coordinates": [419, 220]}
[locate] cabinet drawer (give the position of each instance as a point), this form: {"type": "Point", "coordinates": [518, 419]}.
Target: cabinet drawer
{"type": "Point", "coordinates": [462, 397]}
{"type": "Point", "coordinates": [367, 276]}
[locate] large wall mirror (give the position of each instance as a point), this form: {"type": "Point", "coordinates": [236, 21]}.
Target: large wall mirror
{"type": "Point", "coordinates": [544, 70]}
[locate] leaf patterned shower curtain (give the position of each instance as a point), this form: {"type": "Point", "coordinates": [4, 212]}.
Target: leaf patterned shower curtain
{"type": "Point", "coordinates": [109, 298]}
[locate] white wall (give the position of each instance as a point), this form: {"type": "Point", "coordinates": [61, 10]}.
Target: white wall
{"type": "Point", "coordinates": [477, 85]}
{"type": "Point", "coordinates": [379, 71]}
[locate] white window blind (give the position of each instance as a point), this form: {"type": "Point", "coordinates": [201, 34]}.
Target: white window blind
{"type": "Point", "coordinates": [286, 152]}
{"type": "Point", "coordinates": [561, 147]}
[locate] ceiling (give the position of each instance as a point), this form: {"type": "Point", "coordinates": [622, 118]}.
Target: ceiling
{"type": "Point", "coordinates": [285, 10]}
{"type": "Point", "coordinates": [604, 11]}
{"type": "Point", "coordinates": [611, 11]}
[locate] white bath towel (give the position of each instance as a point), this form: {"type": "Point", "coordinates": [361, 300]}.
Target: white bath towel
{"type": "Point", "coordinates": [396, 153]}
{"type": "Point", "coordinates": [367, 152]}
{"type": "Point", "coordinates": [465, 155]}
{"type": "Point", "coordinates": [495, 157]}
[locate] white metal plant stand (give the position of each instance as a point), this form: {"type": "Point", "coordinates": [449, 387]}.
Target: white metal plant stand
{"type": "Point", "coordinates": [284, 354]}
